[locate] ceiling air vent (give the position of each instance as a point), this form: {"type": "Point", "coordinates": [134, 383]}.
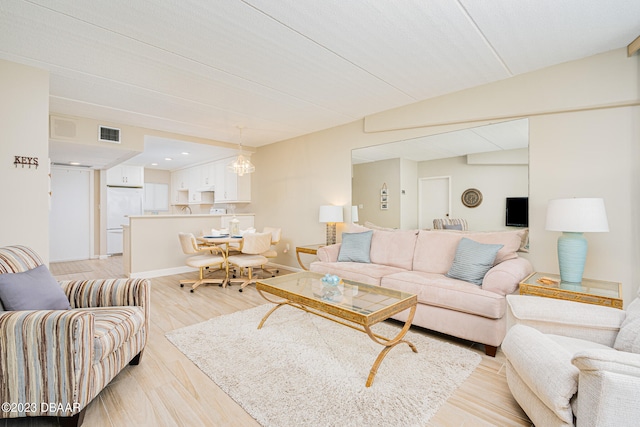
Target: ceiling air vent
{"type": "Point", "coordinates": [62, 128]}
{"type": "Point", "coordinates": [106, 134]}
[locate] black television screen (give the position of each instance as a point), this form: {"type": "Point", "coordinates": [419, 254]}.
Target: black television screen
{"type": "Point", "coordinates": [517, 212]}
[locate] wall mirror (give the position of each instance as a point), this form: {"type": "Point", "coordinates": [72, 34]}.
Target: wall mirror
{"type": "Point", "coordinates": [427, 176]}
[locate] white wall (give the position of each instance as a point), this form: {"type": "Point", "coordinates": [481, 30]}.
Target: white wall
{"type": "Point", "coordinates": [495, 182]}
{"type": "Point", "coordinates": [24, 112]}
{"type": "Point", "coordinates": [368, 179]}
{"type": "Point", "coordinates": [408, 194]}
{"type": "Point", "coordinates": [584, 132]}
{"type": "Point", "coordinates": [590, 154]}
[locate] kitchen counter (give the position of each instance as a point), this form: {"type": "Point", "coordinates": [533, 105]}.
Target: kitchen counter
{"type": "Point", "coordinates": [151, 242]}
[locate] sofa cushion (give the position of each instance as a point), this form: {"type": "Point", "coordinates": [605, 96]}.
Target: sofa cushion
{"type": "Point", "coordinates": [441, 291]}
{"type": "Point", "coordinates": [34, 289]}
{"type": "Point", "coordinates": [355, 247]}
{"type": "Point", "coordinates": [393, 248]}
{"type": "Point", "coordinates": [435, 250]}
{"type": "Point", "coordinates": [354, 228]}
{"type": "Point", "coordinates": [365, 273]}
{"type": "Point", "coordinates": [373, 226]}
{"type": "Point", "coordinates": [113, 327]}
{"type": "Point", "coordinates": [472, 260]}
{"type": "Point", "coordinates": [510, 239]}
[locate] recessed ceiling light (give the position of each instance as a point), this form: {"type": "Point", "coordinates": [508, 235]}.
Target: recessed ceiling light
{"type": "Point", "coordinates": [74, 163]}
{"type": "Point", "coordinates": [168, 158]}
{"type": "Point", "coordinates": [185, 153]}
{"type": "Point", "coordinates": [154, 164]}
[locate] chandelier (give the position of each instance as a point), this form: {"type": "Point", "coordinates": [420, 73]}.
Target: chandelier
{"type": "Point", "coordinates": [241, 165]}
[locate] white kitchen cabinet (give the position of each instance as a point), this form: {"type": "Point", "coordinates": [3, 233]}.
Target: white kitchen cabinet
{"type": "Point", "coordinates": [179, 187]}
{"type": "Point", "coordinates": [125, 176]}
{"type": "Point", "coordinates": [219, 173]}
{"type": "Point", "coordinates": [193, 179]}
{"type": "Point", "coordinates": [186, 184]}
{"type": "Point", "coordinates": [231, 187]}
{"type": "Point", "coordinates": [207, 174]}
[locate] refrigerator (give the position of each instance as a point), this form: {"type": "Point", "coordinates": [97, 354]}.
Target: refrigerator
{"type": "Point", "coordinates": [121, 202]}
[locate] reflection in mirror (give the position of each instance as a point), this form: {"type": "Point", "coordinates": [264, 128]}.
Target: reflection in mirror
{"type": "Point", "coordinates": [426, 177]}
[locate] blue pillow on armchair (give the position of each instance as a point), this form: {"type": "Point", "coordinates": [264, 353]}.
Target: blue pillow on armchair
{"type": "Point", "coordinates": [355, 247]}
{"type": "Point", "coordinates": [34, 289]}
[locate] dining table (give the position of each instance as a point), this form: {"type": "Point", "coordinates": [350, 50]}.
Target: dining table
{"type": "Point", "coordinates": [224, 241]}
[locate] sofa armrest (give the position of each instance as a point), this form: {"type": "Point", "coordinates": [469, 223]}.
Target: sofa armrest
{"type": "Point", "coordinates": [608, 386]}
{"type": "Point", "coordinates": [45, 356]}
{"type": "Point", "coordinates": [109, 293]}
{"type": "Point", "coordinates": [618, 362]}
{"type": "Point", "coordinates": [504, 278]}
{"type": "Point", "coordinates": [568, 318]}
{"type": "Point", "coordinates": [329, 253]}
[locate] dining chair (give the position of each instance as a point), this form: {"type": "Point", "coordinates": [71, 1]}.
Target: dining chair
{"type": "Point", "coordinates": [272, 252]}
{"type": "Point", "coordinates": [204, 257]}
{"type": "Point", "coordinates": [253, 245]}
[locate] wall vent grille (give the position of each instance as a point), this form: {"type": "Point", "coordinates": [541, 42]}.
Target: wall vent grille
{"type": "Point", "coordinates": [106, 134]}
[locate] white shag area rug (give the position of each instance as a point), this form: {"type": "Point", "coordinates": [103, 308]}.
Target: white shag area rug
{"type": "Point", "coordinates": [303, 370]}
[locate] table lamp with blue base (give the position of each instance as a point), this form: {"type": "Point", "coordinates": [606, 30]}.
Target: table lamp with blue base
{"type": "Point", "coordinates": [574, 217]}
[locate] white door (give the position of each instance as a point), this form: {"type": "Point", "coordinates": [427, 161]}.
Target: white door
{"type": "Point", "coordinates": [70, 215]}
{"type": "Point", "coordinates": [434, 200]}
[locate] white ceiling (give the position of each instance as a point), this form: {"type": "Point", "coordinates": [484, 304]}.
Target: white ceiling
{"type": "Point", "coordinates": [286, 68]}
{"type": "Point", "coordinates": [510, 135]}
{"type": "Point", "coordinates": [182, 153]}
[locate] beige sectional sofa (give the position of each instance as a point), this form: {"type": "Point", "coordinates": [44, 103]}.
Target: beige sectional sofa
{"type": "Point", "coordinates": [417, 261]}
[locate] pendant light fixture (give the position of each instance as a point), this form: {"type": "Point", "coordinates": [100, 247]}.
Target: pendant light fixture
{"type": "Point", "coordinates": [241, 165]}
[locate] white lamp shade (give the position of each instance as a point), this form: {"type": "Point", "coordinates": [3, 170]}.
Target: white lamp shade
{"type": "Point", "coordinates": [330, 213]}
{"type": "Point", "coordinates": [354, 214]}
{"type": "Point", "coordinates": [578, 215]}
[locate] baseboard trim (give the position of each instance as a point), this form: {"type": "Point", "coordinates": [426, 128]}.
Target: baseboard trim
{"type": "Point", "coordinates": [163, 272]}
{"type": "Point", "coordinates": [181, 270]}
{"type": "Point", "coordinates": [284, 267]}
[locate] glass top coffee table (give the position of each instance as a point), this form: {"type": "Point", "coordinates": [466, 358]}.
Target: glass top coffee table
{"type": "Point", "coordinates": [349, 303]}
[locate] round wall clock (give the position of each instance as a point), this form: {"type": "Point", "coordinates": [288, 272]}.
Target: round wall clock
{"type": "Point", "coordinates": [471, 198]}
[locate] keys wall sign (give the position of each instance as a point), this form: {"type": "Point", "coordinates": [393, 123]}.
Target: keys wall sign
{"type": "Point", "coordinates": [25, 161]}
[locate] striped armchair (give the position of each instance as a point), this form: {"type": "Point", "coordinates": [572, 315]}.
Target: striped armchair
{"type": "Point", "coordinates": [54, 362]}
{"type": "Point", "coordinates": [450, 223]}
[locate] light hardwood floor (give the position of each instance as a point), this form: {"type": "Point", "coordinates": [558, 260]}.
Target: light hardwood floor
{"type": "Point", "coordinates": [167, 389]}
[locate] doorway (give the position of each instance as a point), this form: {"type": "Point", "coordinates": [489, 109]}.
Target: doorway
{"type": "Point", "coordinates": [70, 224]}
{"type": "Point", "coordinates": [434, 199]}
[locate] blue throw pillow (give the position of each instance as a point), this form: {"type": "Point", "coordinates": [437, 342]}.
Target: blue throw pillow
{"type": "Point", "coordinates": [473, 260]}
{"type": "Point", "coordinates": [355, 247]}
{"type": "Point", "coordinates": [35, 289]}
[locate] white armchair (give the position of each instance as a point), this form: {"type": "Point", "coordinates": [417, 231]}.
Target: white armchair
{"type": "Point", "coordinates": [570, 363]}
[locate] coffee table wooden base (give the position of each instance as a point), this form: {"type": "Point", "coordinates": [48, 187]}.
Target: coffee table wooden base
{"type": "Point", "coordinates": [388, 343]}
